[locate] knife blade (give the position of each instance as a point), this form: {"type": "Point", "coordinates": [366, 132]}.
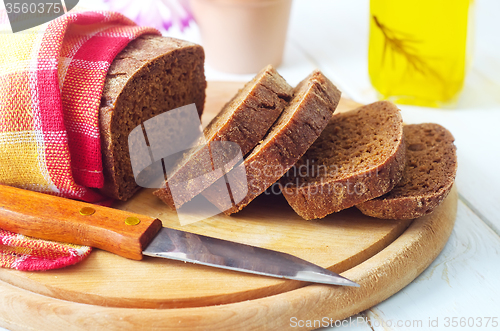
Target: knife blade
{"type": "Point", "coordinates": [133, 235]}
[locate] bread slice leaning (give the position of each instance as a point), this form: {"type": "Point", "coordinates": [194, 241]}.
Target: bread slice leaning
{"type": "Point", "coordinates": [359, 156]}
{"type": "Point", "coordinates": [150, 76]}
{"type": "Point", "coordinates": [428, 177]}
{"type": "Point", "coordinates": [313, 103]}
{"type": "Point", "coordinates": [244, 120]}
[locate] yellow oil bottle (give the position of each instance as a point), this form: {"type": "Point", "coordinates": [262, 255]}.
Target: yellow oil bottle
{"type": "Point", "coordinates": [418, 50]}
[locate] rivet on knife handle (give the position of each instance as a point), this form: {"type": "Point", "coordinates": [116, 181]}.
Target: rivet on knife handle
{"type": "Point", "coordinates": [53, 218]}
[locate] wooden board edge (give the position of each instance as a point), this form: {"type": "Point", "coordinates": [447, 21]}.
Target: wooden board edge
{"type": "Point", "coordinates": [380, 277]}
{"type": "Point", "coordinates": [27, 282]}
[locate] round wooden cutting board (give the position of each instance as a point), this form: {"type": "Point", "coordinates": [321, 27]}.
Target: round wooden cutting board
{"type": "Point", "coordinates": [107, 292]}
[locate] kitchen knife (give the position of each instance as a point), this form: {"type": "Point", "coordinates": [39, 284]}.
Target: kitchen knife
{"type": "Point", "coordinates": [132, 236]}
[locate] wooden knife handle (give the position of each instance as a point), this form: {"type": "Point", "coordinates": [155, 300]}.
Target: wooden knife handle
{"type": "Point", "coordinates": [53, 218]}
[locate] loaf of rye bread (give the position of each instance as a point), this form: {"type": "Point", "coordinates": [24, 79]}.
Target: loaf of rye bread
{"type": "Point", "coordinates": [314, 101]}
{"type": "Point", "coordinates": [359, 156]}
{"type": "Point", "coordinates": [244, 120]}
{"type": "Point", "coordinates": [150, 76]}
{"type": "Point", "coordinates": [428, 176]}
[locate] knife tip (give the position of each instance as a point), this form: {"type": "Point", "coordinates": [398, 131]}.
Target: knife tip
{"type": "Point", "coordinates": [322, 278]}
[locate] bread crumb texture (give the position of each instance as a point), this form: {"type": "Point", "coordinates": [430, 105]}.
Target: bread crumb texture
{"type": "Point", "coordinates": [314, 101]}
{"type": "Point", "coordinates": [355, 142]}
{"type": "Point", "coordinates": [428, 176]}
{"type": "Point", "coordinates": [244, 120]}
{"type": "Point", "coordinates": [360, 155]}
{"type": "Point", "coordinates": [150, 76]}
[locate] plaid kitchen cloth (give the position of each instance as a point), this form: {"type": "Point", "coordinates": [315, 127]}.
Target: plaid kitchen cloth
{"type": "Point", "coordinates": [51, 81]}
{"type": "Point", "coordinates": [30, 254]}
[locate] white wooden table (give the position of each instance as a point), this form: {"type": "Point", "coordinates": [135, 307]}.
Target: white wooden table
{"type": "Point", "coordinates": [462, 286]}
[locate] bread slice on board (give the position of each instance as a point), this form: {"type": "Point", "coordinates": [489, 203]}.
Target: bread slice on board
{"type": "Point", "coordinates": [244, 120]}
{"type": "Point", "coordinates": [429, 174]}
{"type": "Point", "coordinates": [314, 101]}
{"type": "Point", "coordinates": [150, 76]}
{"type": "Point", "coordinates": [359, 156]}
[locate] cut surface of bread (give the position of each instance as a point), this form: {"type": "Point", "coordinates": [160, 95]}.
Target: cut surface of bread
{"type": "Point", "coordinates": [150, 76]}
{"type": "Point", "coordinates": [428, 177]}
{"type": "Point", "coordinates": [314, 101]}
{"type": "Point", "coordinates": [244, 120]}
{"type": "Point", "coordinates": [359, 156]}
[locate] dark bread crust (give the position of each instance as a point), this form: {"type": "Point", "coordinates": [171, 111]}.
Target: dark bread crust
{"type": "Point", "coordinates": [315, 100]}
{"type": "Point", "coordinates": [244, 120]}
{"type": "Point", "coordinates": [365, 147]}
{"type": "Point", "coordinates": [428, 177]}
{"type": "Point", "coordinates": [152, 75]}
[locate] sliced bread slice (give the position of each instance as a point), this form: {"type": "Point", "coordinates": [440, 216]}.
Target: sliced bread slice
{"type": "Point", "coordinates": [429, 174]}
{"type": "Point", "coordinates": [359, 156]}
{"type": "Point", "coordinates": [150, 76]}
{"type": "Point", "coordinates": [314, 101]}
{"type": "Point", "coordinates": [244, 120]}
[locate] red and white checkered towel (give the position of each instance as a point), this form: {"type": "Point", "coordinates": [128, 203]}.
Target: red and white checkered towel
{"type": "Point", "coordinates": [51, 81]}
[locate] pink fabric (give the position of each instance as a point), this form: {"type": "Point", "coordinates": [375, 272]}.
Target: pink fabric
{"type": "Point", "coordinates": [51, 81]}
{"type": "Point", "coordinates": [25, 253]}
